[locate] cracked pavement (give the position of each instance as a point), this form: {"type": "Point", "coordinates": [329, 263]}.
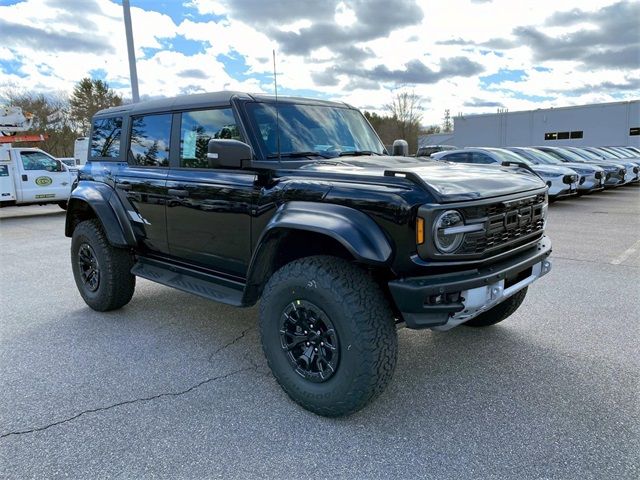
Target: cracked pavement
{"type": "Point", "coordinates": [174, 386]}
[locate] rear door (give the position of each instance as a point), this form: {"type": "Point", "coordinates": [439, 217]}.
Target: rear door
{"type": "Point", "coordinates": [208, 208]}
{"type": "Point", "coordinates": [142, 184]}
{"type": "Point", "coordinates": [41, 177]}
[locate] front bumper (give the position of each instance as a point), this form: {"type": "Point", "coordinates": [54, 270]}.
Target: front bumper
{"type": "Point", "coordinates": [591, 184]}
{"type": "Point", "coordinates": [447, 300]}
{"type": "Point", "coordinates": [558, 189]}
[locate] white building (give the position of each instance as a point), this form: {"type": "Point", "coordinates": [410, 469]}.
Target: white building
{"type": "Point", "coordinates": [616, 123]}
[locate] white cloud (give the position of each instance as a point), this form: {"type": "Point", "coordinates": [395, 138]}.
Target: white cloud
{"type": "Point", "coordinates": [468, 29]}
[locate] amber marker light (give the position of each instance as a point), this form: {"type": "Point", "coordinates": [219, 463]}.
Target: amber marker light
{"type": "Point", "coordinates": [419, 230]}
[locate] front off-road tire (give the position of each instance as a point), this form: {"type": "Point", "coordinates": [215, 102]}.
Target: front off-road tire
{"type": "Point", "coordinates": [101, 271]}
{"type": "Point", "coordinates": [327, 305]}
{"type": "Point", "coordinates": [500, 312]}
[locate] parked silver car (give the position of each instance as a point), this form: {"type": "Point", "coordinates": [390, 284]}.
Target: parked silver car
{"type": "Point", "coordinates": [631, 165]}
{"type": "Point", "coordinates": [615, 172]}
{"type": "Point", "coordinates": [562, 181]}
{"type": "Point", "coordinates": [592, 177]}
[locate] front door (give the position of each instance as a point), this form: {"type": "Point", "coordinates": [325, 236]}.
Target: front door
{"type": "Point", "coordinates": [42, 178]}
{"type": "Point", "coordinates": [209, 209]}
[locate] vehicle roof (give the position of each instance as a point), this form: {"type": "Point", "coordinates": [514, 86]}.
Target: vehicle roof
{"type": "Point", "coordinates": [203, 100]}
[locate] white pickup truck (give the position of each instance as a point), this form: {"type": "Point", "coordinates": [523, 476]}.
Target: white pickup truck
{"type": "Point", "coordinates": [31, 176]}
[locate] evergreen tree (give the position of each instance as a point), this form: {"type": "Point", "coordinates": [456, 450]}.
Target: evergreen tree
{"type": "Point", "coordinates": [88, 97]}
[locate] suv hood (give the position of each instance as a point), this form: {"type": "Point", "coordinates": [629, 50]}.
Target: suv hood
{"type": "Point", "coordinates": [448, 182]}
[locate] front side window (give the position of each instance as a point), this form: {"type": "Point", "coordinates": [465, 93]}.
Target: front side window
{"type": "Point", "coordinates": [150, 136]}
{"type": "Point", "coordinates": [456, 157]}
{"type": "Point", "coordinates": [200, 126]}
{"type": "Point", "coordinates": [105, 139]}
{"type": "Point", "coordinates": [40, 161]}
{"type": "Point", "coordinates": [304, 130]}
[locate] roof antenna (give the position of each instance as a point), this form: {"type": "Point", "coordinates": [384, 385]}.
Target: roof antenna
{"type": "Point", "coordinates": [275, 87]}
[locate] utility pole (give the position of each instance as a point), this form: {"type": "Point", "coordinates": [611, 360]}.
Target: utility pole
{"type": "Point", "coordinates": [133, 73]}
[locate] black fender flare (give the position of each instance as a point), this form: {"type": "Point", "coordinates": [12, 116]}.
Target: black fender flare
{"type": "Point", "coordinates": [107, 207]}
{"type": "Point", "coordinates": [354, 230]}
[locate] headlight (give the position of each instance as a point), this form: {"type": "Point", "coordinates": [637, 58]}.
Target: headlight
{"type": "Point", "coordinates": [446, 232]}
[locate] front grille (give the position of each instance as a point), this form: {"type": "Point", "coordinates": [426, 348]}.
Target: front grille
{"type": "Point", "coordinates": [636, 169]}
{"type": "Point", "coordinates": [568, 179]}
{"type": "Point", "coordinates": [582, 179]}
{"type": "Point", "coordinates": [505, 223]}
{"type": "Point", "coordinates": [622, 172]}
{"type": "Point", "coordinates": [598, 175]}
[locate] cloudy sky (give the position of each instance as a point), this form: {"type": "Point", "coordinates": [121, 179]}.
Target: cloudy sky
{"type": "Point", "coordinates": [469, 56]}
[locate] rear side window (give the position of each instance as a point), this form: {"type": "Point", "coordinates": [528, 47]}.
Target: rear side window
{"type": "Point", "coordinates": [197, 128]}
{"type": "Point", "coordinates": [457, 157]}
{"type": "Point", "coordinates": [105, 139]}
{"type": "Point", "coordinates": [150, 136]}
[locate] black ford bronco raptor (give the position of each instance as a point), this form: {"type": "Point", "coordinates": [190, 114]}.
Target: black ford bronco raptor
{"type": "Point", "coordinates": [295, 202]}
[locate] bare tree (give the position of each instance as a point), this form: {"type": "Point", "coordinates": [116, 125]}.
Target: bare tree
{"type": "Point", "coordinates": [405, 109]}
{"type": "Point", "coordinates": [50, 117]}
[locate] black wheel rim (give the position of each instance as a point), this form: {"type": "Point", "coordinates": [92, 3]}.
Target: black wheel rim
{"type": "Point", "coordinates": [310, 341]}
{"type": "Point", "coordinates": [89, 268]}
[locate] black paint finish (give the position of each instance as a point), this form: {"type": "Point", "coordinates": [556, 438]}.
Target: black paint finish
{"type": "Point", "coordinates": [233, 224]}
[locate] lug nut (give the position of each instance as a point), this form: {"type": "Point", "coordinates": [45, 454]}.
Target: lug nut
{"type": "Point", "coordinates": [322, 344]}
{"type": "Point", "coordinates": [305, 332]}
{"type": "Point", "coordinates": [316, 349]}
{"type": "Point", "coordinates": [308, 344]}
{"type": "Point", "coordinates": [310, 326]}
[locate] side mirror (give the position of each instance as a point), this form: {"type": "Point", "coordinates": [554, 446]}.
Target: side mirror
{"type": "Point", "coordinates": [400, 148]}
{"type": "Point", "coordinates": [225, 153]}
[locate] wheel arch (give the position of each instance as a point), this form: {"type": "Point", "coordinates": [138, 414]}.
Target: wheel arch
{"type": "Point", "coordinates": [302, 229]}
{"type": "Point", "coordinates": [89, 200]}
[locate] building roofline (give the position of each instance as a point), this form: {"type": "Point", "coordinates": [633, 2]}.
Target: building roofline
{"type": "Point", "coordinates": [569, 107]}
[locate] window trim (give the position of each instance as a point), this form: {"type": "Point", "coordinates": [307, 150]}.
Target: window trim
{"type": "Point", "coordinates": [116, 158]}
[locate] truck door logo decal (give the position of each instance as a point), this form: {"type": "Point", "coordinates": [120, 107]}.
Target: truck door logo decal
{"type": "Point", "coordinates": [43, 181]}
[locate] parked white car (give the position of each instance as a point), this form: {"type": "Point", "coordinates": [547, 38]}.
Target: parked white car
{"type": "Point", "coordinates": [562, 181]}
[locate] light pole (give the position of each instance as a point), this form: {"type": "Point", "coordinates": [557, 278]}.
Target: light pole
{"type": "Point", "coordinates": [133, 73]}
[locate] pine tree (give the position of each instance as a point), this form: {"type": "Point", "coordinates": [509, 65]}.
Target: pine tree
{"type": "Point", "coordinates": [88, 97]}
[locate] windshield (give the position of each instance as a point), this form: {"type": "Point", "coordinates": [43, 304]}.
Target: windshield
{"type": "Point", "coordinates": [567, 155]}
{"type": "Point", "coordinates": [536, 156]}
{"type": "Point", "coordinates": [602, 154]}
{"type": "Point", "coordinates": [507, 156]}
{"type": "Point", "coordinates": [310, 130]}
{"type": "Point", "coordinates": [621, 153]}
{"type": "Point", "coordinates": [586, 154]}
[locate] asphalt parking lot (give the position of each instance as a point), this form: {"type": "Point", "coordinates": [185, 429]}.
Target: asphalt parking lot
{"type": "Point", "coordinates": [176, 386]}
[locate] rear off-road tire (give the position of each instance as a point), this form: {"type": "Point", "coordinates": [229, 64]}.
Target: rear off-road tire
{"type": "Point", "coordinates": [101, 271]}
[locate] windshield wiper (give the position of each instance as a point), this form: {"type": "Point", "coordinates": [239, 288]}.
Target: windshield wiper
{"type": "Point", "coordinates": [358, 153]}
{"type": "Point", "coordinates": [300, 154]}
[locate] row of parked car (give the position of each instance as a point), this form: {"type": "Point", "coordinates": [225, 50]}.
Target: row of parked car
{"type": "Point", "coordinates": [566, 170]}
